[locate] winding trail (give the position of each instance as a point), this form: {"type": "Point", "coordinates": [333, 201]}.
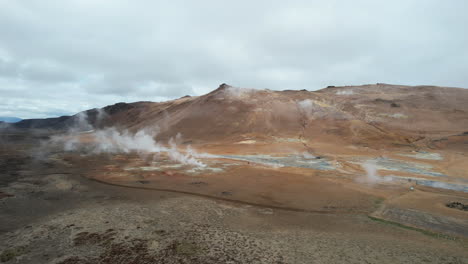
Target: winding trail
{"type": "Point", "coordinates": [212, 197]}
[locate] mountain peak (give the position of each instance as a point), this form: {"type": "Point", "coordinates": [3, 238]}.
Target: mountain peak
{"type": "Point", "coordinates": [223, 86]}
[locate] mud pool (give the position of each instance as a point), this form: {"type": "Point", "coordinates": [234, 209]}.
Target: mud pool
{"type": "Point", "coordinates": [435, 184]}
{"type": "Point", "coordinates": [215, 164]}
{"type": "Point", "coordinates": [298, 161]}
{"type": "Point", "coordinates": [424, 155]}
{"type": "Point", "coordinates": [403, 166]}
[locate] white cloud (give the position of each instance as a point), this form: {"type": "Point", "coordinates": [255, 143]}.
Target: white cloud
{"type": "Point", "coordinates": [62, 56]}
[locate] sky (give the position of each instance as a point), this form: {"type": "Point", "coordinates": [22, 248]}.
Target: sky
{"type": "Point", "coordinates": [62, 57]}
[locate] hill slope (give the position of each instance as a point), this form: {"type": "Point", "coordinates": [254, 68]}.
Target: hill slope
{"type": "Point", "coordinates": [374, 115]}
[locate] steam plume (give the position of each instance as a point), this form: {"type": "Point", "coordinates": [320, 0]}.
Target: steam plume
{"type": "Point", "coordinates": [372, 174]}
{"type": "Point", "coordinates": [112, 140]}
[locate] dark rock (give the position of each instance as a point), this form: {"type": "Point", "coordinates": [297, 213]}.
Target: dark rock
{"type": "Point", "coordinates": [198, 183]}
{"type": "Point", "coordinates": [143, 182]}
{"type": "Point", "coordinates": [458, 205]}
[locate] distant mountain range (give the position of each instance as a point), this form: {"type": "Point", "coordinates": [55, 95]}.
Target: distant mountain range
{"type": "Point", "coordinates": [9, 119]}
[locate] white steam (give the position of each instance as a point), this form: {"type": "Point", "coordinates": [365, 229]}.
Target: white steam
{"type": "Point", "coordinates": [371, 171]}
{"type": "Point", "coordinates": [185, 158]}
{"type": "Point", "coordinates": [372, 174]}
{"type": "Point", "coordinates": [238, 93]}
{"type": "Point", "coordinates": [81, 123]}
{"type": "Point", "coordinates": [345, 92]}
{"type": "Point", "coordinates": [307, 155]}
{"type": "Point", "coordinates": [307, 106]}
{"type": "Point", "coordinates": [112, 140]}
{"type": "Point", "coordinates": [311, 109]}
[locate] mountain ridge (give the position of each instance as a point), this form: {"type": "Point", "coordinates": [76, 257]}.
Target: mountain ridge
{"type": "Point", "coordinates": [375, 114]}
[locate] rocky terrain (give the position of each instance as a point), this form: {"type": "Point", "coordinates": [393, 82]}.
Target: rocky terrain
{"type": "Point", "coordinates": [355, 174]}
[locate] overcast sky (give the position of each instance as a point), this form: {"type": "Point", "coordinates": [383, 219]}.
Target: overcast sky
{"type": "Point", "coordinates": [61, 57]}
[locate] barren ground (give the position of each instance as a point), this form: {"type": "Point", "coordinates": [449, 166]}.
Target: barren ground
{"type": "Point", "coordinates": [356, 174]}
{"type": "Point", "coordinates": [68, 208]}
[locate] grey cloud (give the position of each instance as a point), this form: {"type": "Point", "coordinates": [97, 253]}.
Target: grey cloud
{"type": "Point", "coordinates": [41, 71]}
{"type": "Point", "coordinates": [62, 56]}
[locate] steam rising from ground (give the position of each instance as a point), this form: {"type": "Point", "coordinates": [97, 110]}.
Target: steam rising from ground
{"type": "Point", "coordinates": [81, 137]}
{"type": "Point", "coordinates": [238, 93]}
{"type": "Point", "coordinates": [307, 106]}
{"type": "Point", "coordinates": [372, 174]}
{"type": "Point", "coordinates": [371, 171]}
{"type": "Point", "coordinates": [307, 155]}
{"type": "Point", "coordinates": [345, 92]}
{"type": "Point", "coordinates": [310, 109]}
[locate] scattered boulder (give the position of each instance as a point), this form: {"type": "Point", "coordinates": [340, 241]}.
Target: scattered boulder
{"type": "Point", "coordinates": [457, 205]}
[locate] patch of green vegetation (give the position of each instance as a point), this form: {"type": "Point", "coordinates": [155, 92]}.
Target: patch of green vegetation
{"type": "Point", "coordinates": [11, 253]}
{"type": "Point", "coordinates": [185, 248]}
{"type": "Point", "coordinates": [422, 231]}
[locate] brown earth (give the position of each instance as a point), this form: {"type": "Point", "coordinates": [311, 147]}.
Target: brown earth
{"type": "Point", "coordinates": [283, 174]}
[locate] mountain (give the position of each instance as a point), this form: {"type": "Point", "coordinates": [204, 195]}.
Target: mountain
{"type": "Point", "coordinates": [9, 119]}
{"type": "Point", "coordinates": [376, 115]}
{"type": "Point", "coordinates": [68, 122]}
